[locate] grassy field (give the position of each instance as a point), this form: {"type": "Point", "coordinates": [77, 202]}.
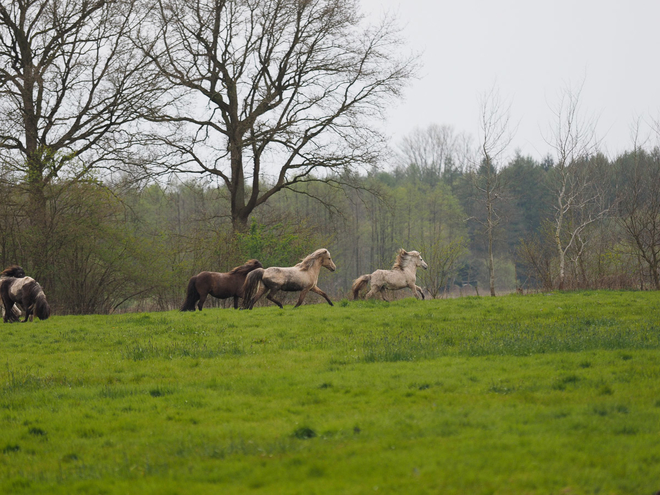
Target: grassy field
{"type": "Point", "coordinates": [544, 394]}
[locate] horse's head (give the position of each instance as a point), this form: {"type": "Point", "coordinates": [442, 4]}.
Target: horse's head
{"type": "Point", "coordinates": [326, 261]}
{"type": "Point", "coordinates": [407, 258]}
{"type": "Point", "coordinates": [13, 271]}
{"type": "Point", "coordinates": [254, 264]}
{"type": "Point", "coordinates": [418, 259]}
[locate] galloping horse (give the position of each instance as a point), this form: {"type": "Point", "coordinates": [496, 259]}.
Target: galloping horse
{"type": "Point", "coordinates": [219, 285]}
{"type": "Point", "coordinates": [16, 272]}
{"type": "Point", "coordinates": [302, 277]}
{"type": "Point", "coordinates": [27, 294]}
{"type": "Point", "coordinates": [402, 275]}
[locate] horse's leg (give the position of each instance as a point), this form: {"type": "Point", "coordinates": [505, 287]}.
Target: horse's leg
{"type": "Point", "coordinates": [202, 300]}
{"type": "Point", "coordinates": [372, 292]}
{"type": "Point", "coordinates": [235, 302]}
{"type": "Point", "coordinates": [9, 309]}
{"type": "Point", "coordinates": [303, 293]}
{"type": "Point", "coordinates": [321, 293]}
{"type": "Point", "coordinates": [271, 298]}
{"type": "Point", "coordinates": [382, 294]}
{"type": "Point", "coordinates": [419, 291]}
{"type": "Point", "coordinates": [260, 292]}
{"type": "Point", "coordinates": [415, 291]}
{"type": "Point", "coordinates": [28, 312]}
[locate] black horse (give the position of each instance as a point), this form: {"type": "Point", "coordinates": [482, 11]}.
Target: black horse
{"type": "Point", "coordinates": [220, 285]}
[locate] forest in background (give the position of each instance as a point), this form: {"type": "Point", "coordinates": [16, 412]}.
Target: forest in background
{"type": "Point", "coordinates": [122, 245]}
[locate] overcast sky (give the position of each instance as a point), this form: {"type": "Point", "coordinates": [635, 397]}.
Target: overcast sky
{"type": "Point", "coordinates": [530, 50]}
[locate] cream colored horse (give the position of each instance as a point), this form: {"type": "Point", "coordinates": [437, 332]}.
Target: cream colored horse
{"type": "Point", "coordinates": [403, 274]}
{"type": "Point", "coordinates": [302, 277]}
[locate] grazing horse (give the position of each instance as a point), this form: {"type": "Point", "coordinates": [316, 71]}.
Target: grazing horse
{"type": "Point", "coordinates": [302, 277]}
{"type": "Point", "coordinates": [27, 294]}
{"type": "Point", "coordinates": [219, 285]}
{"type": "Point", "coordinates": [17, 272]}
{"type": "Point", "coordinates": [402, 275]}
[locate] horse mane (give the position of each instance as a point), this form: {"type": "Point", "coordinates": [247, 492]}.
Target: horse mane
{"type": "Point", "coordinates": [13, 271]}
{"type": "Point", "coordinates": [401, 258]}
{"type": "Point", "coordinates": [246, 268]}
{"type": "Point", "coordinates": [310, 259]}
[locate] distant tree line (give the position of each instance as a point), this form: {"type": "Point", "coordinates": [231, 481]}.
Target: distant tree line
{"type": "Point", "coordinates": [124, 245]}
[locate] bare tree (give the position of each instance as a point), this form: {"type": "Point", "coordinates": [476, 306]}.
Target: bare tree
{"type": "Point", "coordinates": [443, 257]}
{"type": "Point", "coordinates": [578, 194]}
{"type": "Point", "coordinates": [495, 137]}
{"type": "Point", "coordinates": [69, 80]}
{"type": "Point", "coordinates": [639, 206]}
{"type": "Point", "coordinates": [431, 150]}
{"type": "Point", "coordinates": [268, 94]}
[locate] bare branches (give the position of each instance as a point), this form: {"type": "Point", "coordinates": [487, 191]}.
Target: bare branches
{"type": "Point", "coordinates": [577, 188]}
{"type": "Point", "coordinates": [285, 86]}
{"type": "Point", "coordinates": [486, 179]}
{"type": "Point", "coordinates": [69, 79]}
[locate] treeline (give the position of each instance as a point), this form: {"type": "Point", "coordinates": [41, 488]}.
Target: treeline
{"type": "Point", "coordinates": [120, 246]}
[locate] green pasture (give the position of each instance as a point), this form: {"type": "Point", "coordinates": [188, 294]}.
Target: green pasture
{"type": "Point", "coordinates": [545, 394]}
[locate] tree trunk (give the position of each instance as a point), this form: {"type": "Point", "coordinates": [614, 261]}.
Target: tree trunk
{"type": "Point", "coordinates": [240, 213]}
{"type": "Point", "coordinates": [491, 260]}
{"type": "Point", "coordinates": [38, 248]}
{"type": "Point", "coordinates": [560, 251]}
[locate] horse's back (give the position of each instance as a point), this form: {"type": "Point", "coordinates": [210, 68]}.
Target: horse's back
{"type": "Point", "coordinates": [391, 279]}
{"type": "Point", "coordinates": [17, 285]}
{"type": "Point", "coordinates": [221, 285]}
{"type": "Point", "coordinates": [287, 278]}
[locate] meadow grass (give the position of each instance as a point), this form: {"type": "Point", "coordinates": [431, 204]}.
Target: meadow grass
{"type": "Point", "coordinates": [554, 393]}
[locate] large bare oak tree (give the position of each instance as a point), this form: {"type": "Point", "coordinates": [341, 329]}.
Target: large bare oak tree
{"type": "Point", "coordinates": [267, 94]}
{"type": "Point", "coordinates": [70, 81]}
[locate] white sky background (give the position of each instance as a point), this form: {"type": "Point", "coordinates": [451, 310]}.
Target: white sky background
{"type": "Point", "coordinates": [530, 50]}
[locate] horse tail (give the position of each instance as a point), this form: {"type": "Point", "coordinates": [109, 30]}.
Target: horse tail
{"type": "Point", "coordinates": [41, 307]}
{"type": "Point", "coordinates": [192, 296]}
{"type": "Point", "coordinates": [250, 286]}
{"type": "Point", "coordinates": [359, 284]}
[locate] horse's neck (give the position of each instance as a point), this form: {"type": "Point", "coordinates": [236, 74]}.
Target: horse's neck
{"type": "Point", "coordinates": [410, 270]}
{"type": "Point", "coordinates": [314, 270]}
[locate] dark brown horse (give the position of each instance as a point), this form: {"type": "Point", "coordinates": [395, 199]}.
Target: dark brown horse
{"type": "Point", "coordinates": [220, 285]}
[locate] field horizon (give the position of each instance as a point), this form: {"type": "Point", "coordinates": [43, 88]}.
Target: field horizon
{"type": "Point", "coordinates": [537, 394]}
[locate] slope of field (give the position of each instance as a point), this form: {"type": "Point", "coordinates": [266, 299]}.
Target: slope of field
{"type": "Point", "coordinates": [544, 394]}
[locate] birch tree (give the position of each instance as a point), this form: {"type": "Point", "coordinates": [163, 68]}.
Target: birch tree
{"type": "Point", "coordinates": [578, 195]}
